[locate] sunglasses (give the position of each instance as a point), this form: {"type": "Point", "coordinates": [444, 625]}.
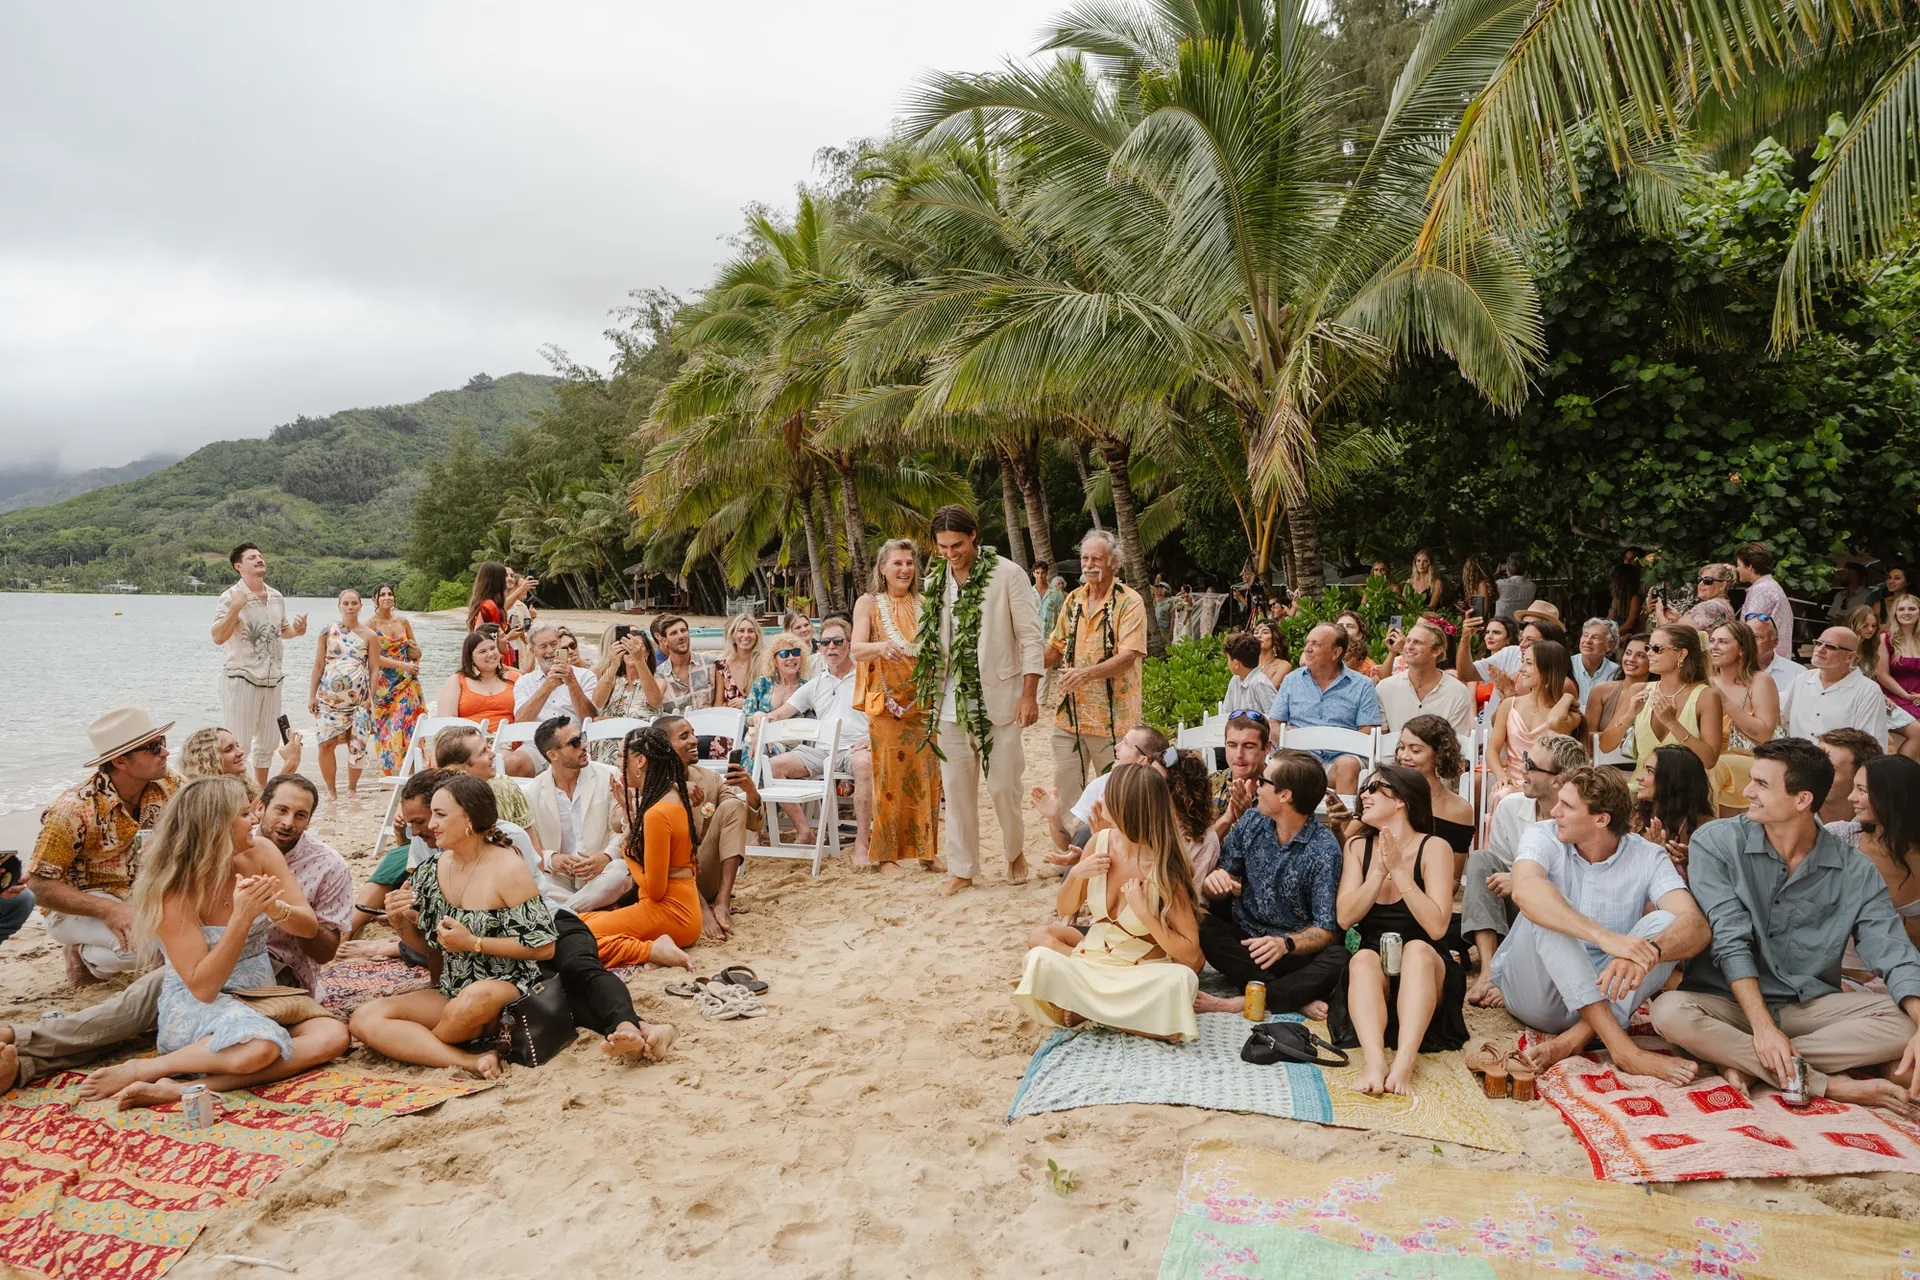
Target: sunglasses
{"type": "Point", "coordinates": [1379, 789]}
{"type": "Point", "coordinates": [1534, 768]}
{"type": "Point", "coordinates": [831, 642]}
{"type": "Point", "coordinates": [158, 747]}
{"type": "Point", "coordinates": [574, 741]}
{"type": "Point", "coordinates": [1843, 648]}
{"type": "Point", "coordinates": [787, 653]}
{"type": "Point", "coordinates": [1662, 648]}
{"type": "Point", "coordinates": [1707, 582]}
{"type": "Point", "coordinates": [1246, 714]}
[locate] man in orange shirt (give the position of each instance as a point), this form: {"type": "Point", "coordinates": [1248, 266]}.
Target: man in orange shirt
{"type": "Point", "coordinates": [1098, 642]}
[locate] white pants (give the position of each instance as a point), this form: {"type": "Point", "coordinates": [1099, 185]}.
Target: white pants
{"type": "Point", "coordinates": [252, 715]}
{"type": "Point", "coordinates": [98, 947]}
{"type": "Point", "coordinates": [1547, 978]}
{"type": "Point", "coordinates": [579, 896]}
{"type": "Point", "coordinates": [960, 778]}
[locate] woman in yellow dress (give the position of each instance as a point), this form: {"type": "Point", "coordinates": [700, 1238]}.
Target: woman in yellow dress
{"type": "Point", "coordinates": [906, 773]}
{"type": "Point", "coordinates": [1751, 704]}
{"type": "Point", "coordinates": [1137, 967]}
{"type": "Point", "coordinates": [1677, 706]}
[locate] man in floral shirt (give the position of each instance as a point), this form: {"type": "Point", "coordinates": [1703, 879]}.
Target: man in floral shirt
{"type": "Point", "coordinates": [1098, 642]}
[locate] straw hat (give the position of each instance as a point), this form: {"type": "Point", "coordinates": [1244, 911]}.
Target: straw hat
{"type": "Point", "coordinates": [1539, 609]}
{"type": "Point", "coordinates": [120, 731]}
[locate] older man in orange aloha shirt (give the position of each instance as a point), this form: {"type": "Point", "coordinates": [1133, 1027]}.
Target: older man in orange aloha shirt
{"type": "Point", "coordinates": [1098, 642]}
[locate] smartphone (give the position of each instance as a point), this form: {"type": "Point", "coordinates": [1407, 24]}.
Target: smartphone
{"type": "Point", "coordinates": [621, 631]}
{"type": "Point", "coordinates": [1477, 606]}
{"type": "Point", "coordinates": [1393, 623]}
{"type": "Point", "coordinates": [737, 758]}
{"type": "Point", "coordinates": [10, 872]}
{"type": "Point", "coordinates": [286, 730]}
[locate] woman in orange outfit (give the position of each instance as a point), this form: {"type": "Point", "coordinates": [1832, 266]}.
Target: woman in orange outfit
{"type": "Point", "coordinates": [659, 854]}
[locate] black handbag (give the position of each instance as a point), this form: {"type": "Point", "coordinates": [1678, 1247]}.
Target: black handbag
{"type": "Point", "coordinates": [539, 1024]}
{"type": "Point", "coordinates": [1273, 1042]}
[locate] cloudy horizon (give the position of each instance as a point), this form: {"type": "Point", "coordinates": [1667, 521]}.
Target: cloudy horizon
{"type": "Point", "coordinates": [221, 217]}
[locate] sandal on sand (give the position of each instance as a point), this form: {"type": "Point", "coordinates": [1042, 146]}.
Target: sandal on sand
{"type": "Point", "coordinates": [740, 976]}
{"type": "Point", "coordinates": [1484, 1059]}
{"type": "Point", "coordinates": [1520, 1072]}
{"type": "Point", "coordinates": [723, 1002]}
{"type": "Point", "coordinates": [686, 990]}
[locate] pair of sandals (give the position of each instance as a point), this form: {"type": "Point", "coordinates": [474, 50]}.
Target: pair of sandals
{"type": "Point", "coordinates": [724, 1002]}
{"type": "Point", "coordinates": [1502, 1073]}
{"type": "Point", "coordinates": [733, 976]}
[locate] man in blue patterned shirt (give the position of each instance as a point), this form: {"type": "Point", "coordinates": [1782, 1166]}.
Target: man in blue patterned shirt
{"type": "Point", "coordinates": [1272, 917]}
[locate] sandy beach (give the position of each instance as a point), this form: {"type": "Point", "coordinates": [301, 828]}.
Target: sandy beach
{"type": "Point", "coordinates": [857, 1131]}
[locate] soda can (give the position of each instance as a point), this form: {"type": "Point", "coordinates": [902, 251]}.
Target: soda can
{"type": "Point", "coordinates": [1256, 1009]}
{"type": "Point", "coordinates": [1793, 1091]}
{"type": "Point", "coordinates": [1390, 954]}
{"type": "Point", "coordinates": [197, 1105]}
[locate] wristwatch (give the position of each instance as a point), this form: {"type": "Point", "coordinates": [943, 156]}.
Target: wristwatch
{"type": "Point", "coordinates": [1288, 939]}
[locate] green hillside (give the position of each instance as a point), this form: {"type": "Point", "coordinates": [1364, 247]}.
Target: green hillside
{"type": "Point", "coordinates": [329, 499]}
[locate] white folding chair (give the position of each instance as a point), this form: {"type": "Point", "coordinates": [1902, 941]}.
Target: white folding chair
{"type": "Point", "coordinates": [801, 791]}
{"type": "Point", "coordinates": [614, 727]}
{"type": "Point", "coordinates": [1209, 738]}
{"type": "Point", "coordinates": [413, 761]}
{"type": "Point", "coordinates": [1351, 742]}
{"type": "Point", "coordinates": [1622, 754]}
{"type": "Point", "coordinates": [514, 734]}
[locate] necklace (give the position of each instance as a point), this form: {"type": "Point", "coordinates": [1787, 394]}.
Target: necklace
{"type": "Point", "coordinates": [961, 660]}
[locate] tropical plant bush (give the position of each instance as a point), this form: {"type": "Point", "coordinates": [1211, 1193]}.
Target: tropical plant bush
{"type": "Point", "coordinates": [1185, 686]}
{"type": "Point", "coordinates": [451, 594]}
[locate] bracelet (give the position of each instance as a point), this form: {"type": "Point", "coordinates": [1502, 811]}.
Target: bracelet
{"type": "Point", "coordinates": [286, 909]}
{"type": "Point", "coordinates": [1656, 948]}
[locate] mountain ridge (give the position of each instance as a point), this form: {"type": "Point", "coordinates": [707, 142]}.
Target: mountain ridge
{"type": "Point", "coordinates": [58, 486]}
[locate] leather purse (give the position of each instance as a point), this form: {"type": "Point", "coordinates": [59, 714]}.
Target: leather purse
{"type": "Point", "coordinates": [1273, 1042]}
{"type": "Point", "coordinates": [288, 1006]}
{"type": "Point", "coordinates": [539, 1024]}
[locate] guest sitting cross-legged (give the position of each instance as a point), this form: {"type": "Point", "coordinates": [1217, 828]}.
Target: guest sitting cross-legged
{"type": "Point", "coordinates": [1605, 917]}
{"type": "Point", "coordinates": [576, 808]}
{"type": "Point", "coordinates": [207, 896]}
{"type": "Point", "coordinates": [1272, 916]}
{"type": "Point", "coordinates": [476, 913]}
{"type": "Point", "coordinates": [1398, 878]}
{"type": "Point", "coordinates": [1136, 968]}
{"type": "Point", "coordinates": [1783, 896]}
{"type": "Point", "coordinates": [659, 853]}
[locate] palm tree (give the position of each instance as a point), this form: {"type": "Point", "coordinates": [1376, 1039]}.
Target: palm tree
{"type": "Point", "coordinates": [1652, 79]}
{"type": "Point", "coordinates": [1226, 252]}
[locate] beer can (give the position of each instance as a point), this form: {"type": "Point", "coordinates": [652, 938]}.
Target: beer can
{"type": "Point", "coordinates": [1793, 1090]}
{"type": "Point", "coordinates": [1256, 1009]}
{"type": "Point", "coordinates": [1390, 954]}
{"type": "Point", "coordinates": [197, 1105]}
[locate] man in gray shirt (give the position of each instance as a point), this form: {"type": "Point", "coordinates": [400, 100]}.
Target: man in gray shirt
{"type": "Point", "coordinates": [1783, 896]}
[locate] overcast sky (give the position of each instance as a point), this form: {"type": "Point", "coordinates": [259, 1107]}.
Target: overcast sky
{"type": "Point", "coordinates": [215, 217]}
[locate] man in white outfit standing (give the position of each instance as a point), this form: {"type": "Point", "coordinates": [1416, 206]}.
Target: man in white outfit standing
{"type": "Point", "coordinates": [252, 626]}
{"type": "Point", "coordinates": [991, 659]}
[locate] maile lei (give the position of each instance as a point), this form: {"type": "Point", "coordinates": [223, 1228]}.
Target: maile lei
{"type": "Point", "coordinates": [963, 655]}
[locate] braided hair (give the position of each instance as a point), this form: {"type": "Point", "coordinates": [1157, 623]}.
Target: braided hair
{"type": "Point", "coordinates": [666, 771]}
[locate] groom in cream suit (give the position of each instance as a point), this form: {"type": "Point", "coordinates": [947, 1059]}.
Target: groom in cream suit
{"type": "Point", "coordinates": [1010, 655]}
{"type": "Point", "coordinates": [577, 822]}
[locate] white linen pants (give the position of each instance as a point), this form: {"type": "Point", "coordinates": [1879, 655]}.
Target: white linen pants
{"type": "Point", "coordinates": [251, 714]}
{"type": "Point", "coordinates": [98, 947]}
{"type": "Point", "coordinates": [960, 779]}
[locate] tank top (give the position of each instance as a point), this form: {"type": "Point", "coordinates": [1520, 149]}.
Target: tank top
{"type": "Point", "coordinates": [489, 709]}
{"type": "Point", "coordinates": [1396, 916]}
{"type": "Point", "coordinates": [1644, 738]}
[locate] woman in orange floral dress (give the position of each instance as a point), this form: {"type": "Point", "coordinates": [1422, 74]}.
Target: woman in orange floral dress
{"type": "Point", "coordinates": [906, 772]}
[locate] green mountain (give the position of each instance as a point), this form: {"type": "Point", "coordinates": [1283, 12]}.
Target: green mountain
{"type": "Point", "coordinates": [328, 499]}
{"type": "Point", "coordinates": [38, 486]}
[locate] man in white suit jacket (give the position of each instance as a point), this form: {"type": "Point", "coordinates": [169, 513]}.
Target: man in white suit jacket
{"type": "Point", "coordinates": [1010, 655]}
{"type": "Point", "coordinates": [578, 823]}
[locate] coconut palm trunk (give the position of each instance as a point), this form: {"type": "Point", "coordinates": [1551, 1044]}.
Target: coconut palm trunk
{"type": "Point", "coordinates": [1126, 521]}
{"type": "Point", "coordinates": [1079, 452]}
{"type": "Point", "coordinates": [1303, 539]}
{"type": "Point", "coordinates": [857, 565]}
{"type": "Point", "coordinates": [1010, 501]}
{"type": "Point", "coordinates": [814, 574]}
{"type": "Point", "coordinates": [1026, 473]}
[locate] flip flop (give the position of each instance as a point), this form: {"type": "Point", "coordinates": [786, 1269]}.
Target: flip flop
{"type": "Point", "coordinates": [686, 990]}
{"type": "Point", "coordinates": [717, 1007]}
{"type": "Point", "coordinates": [740, 976]}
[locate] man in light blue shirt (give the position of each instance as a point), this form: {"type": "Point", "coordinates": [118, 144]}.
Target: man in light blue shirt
{"type": "Point", "coordinates": [1587, 951]}
{"type": "Point", "coordinates": [1591, 665]}
{"type": "Point", "coordinates": [1323, 691]}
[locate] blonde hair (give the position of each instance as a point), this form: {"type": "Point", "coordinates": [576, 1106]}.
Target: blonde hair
{"type": "Point", "coordinates": [200, 757]}
{"type": "Point", "coordinates": [759, 662]}
{"type": "Point", "coordinates": [189, 856]}
{"type": "Point", "coordinates": [1897, 635]}
{"type": "Point", "coordinates": [1141, 806]}
{"type": "Point", "coordinates": [887, 548]}
{"type": "Point", "coordinates": [786, 640]}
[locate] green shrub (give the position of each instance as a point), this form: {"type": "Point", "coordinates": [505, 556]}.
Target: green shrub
{"type": "Point", "coordinates": [413, 592]}
{"type": "Point", "coordinates": [450, 594]}
{"type": "Point", "coordinates": [1186, 686]}
{"type": "Point", "coordinates": [1375, 604]}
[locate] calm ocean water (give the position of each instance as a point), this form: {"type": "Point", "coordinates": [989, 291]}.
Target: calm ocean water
{"type": "Point", "coordinates": [76, 656]}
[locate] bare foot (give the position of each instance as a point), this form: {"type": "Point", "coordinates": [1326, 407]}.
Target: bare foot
{"type": "Point", "coordinates": [78, 975]}
{"type": "Point", "coordinates": [108, 1081]}
{"type": "Point", "coordinates": [9, 1065]}
{"type": "Point", "coordinates": [1673, 1070]}
{"type": "Point", "coordinates": [1206, 1002]}
{"type": "Point", "coordinates": [1400, 1079]}
{"type": "Point", "coordinates": [889, 869]}
{"type": "Point", "coordinates": [370, 949]}
{"type": "Point", "coordinates": [1372, 1080]}
{"type": "Point", "coordinates": [1017, 870]}
{"type": "Point", "coordinates": [935, 865]}
{"type": "Point", "coordinates": [648, 1043]}
{"type": "Point", "coordinates": [486, 1066]}
{"type": "Point", "coordinates": [1871, 1093]}
{"type": "Point", "coordinates": [1738, 1081]}
{"type": "Point", "coordinates": [1068, 1018]}
{"type": "Point", "coordinates": [1485, 995]}
{"type": "Point", "coordinates": [954, 885]}
{"type": "Point", "coordinates": [1542, 1054]}
{"type": "Point", "coordinates": [1314, 1011]}
{"type": "Point", "coordinates": [665, 951]}
{"type": "Point", "coordinates": [149, 1093]}
{"type": "Point", "coordinates": [710, 927]}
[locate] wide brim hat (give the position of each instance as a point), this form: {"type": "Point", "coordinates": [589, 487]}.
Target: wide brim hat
{"type": "Point", "coordinates": [1539, 609]}
{"type": "Point", "coordinates": [120, 731]}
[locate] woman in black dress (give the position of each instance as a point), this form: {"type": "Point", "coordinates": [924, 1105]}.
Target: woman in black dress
{"type": "Point", "coordinates": [1429, 746]}
{"type": "Point", "coordinates": [1398, 878]}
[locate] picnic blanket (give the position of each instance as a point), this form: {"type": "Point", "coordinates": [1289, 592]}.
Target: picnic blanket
{"type": "Point", "coordinates": [348, 984]}
{"type": "Point", "coordinates": [98, 1194]}
{"type": "Point", "coordinates": [1090, 1066]}
{"type": "Point", "coordinates": [1639, 1130]}
{"type": "Point", "coordinates": [1245, 1213]}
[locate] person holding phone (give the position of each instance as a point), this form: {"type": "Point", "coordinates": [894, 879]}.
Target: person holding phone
{"type": "Point", "coordinates": [251, 626]}
{"type": "Point", "coordinates": [725, 809]}
{"type": "Point", "coordinates": [625, 684]}
{"type": "Point", "coordinates": [16, 900]}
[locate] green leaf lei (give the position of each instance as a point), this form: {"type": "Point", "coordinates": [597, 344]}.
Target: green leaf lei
{"type": "Point", "coordinates": [929, 668]}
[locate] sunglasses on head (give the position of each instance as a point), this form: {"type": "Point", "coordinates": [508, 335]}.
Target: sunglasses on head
{"type": "Point", "coordinates": [1247, 714]}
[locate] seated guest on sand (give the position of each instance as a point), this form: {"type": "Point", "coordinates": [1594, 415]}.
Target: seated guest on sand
{"type": "Point", "coordinates": [725, 809]}
{"type": "Point", "coordinates": [481, 688]}
{"type": "Point", "coordinates": [1751, 704]}
{"type": "Point", "coordinates": [464, 749]}
{"type": "Point", "coordinates": [1850, 750]}
{"type": "Point", "coordinates": [1673, 799]}
{"type": "Point", "coordinates": [576, 807]}
{"type": "Point", "coordinates": [624, 684]}
{"type": "Point", "coordinates": [1273, 651]}
{"type": "Point", "coordinates": [1236, 788]}
{"type": "Point", "coordinates": [1835, 695]}
{"type": "Point", "coordinates": [1592, 665]}
{"type": "Point", "coordinates": [1423, 688]}
{"type": "Point", "coordinates": [476, 913]}
{"type": "Point", "coordinates": [44, 1046]}
{"type": "Point", "coordinates": [830, 696]}
{"type": "Point", "coordinates": [208, 894]}
{"type": "Point", "coordinates": [775, 688]}
{"type": "Point", "coordinates": [1192, 790]}
{"type": "Point", "coordinates": [1142, 744]}
{"type": "Point", "coordinates": [1429, 746]}
{"type": "Point", "coordinates": [82, 868]}
{"type": "Point", "coordinates": [1397, 877]}
{"type": "Point", "coordinates": [1272, 917]}
{"type": "Point", "coordinates": [1604, 918]}
{"type": "Point", "coordinates": [1886, 812]}
{"type": "Point", "coordinates": [1248, 688]}
{"type": "Point", "coordinates": [1136, 969]}
{"type": "Point", "coordinates": [1326, 692]}
{"type": "Point", "coordinates": [659, 855]}
{"type": "Point", "coordinates": [1677, 706]}
{"type": "Point", "coordinates": [1783, 896]}
{"type": "Point", "coordinates": [1540, 703]}
{"type": "Point", "coordinates": [1611, 707]}
{"type": "Point", "coordinates": [209, 753]}
{"type": "Point", "coordinates": [1487, 909]}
